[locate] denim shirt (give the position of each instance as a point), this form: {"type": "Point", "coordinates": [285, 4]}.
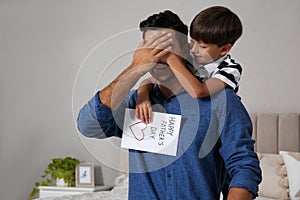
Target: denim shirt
{"type": "Point", "coordinates": [215, 138]}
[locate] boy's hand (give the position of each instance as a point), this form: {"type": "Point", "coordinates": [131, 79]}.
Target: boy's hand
{"type": "Point", "coordinates": [172, 56]}
{"type": "Point", "coordinates": [143, 110]}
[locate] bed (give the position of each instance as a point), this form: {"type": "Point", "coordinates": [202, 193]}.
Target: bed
{"type": "Point", "coordinates": [277, 144]}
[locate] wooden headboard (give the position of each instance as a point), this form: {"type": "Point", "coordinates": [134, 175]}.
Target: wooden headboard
{"type": "Point", "coordinates": [274, 132]}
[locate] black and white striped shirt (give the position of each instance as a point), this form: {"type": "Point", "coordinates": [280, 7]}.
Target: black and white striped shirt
{"type": "Point", "coordinates": [225, 69]}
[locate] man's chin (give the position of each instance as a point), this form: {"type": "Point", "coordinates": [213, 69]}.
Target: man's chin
{"type": "Point", "coordinates": [163, 77]}
{"type": "Point", "coordinates": [161, 65]}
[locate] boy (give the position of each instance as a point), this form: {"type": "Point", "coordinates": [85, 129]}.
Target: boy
{"type": "Point", "coordinates": [213, 31]}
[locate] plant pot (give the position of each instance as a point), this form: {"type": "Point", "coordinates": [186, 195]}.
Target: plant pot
{"type": "Point", "coordinates": [61, 182]}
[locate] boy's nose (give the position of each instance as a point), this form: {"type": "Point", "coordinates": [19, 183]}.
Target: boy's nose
{"type": "Point", "coordinates": [194, 48]}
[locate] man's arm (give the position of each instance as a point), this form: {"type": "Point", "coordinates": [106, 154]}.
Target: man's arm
{"type": "Point", "coordinates": [96, 118]}
{"type": "Point", "coordinates": [145, 57]}
{"type": "Point", "coordinates": [93, 125]}
{"type": "Point", "coordinates": [237, 147]}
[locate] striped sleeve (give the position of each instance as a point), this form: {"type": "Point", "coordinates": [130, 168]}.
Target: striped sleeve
{"type": "Point", "coordinates": [229, 72]}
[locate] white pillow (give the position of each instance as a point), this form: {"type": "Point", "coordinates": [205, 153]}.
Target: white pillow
{"type": "Point", "coordinates": [121, 183]}
{"type": "Point", "coordinates": [274, 182]}
{"type": "Point", "coordinates": [292, 163]}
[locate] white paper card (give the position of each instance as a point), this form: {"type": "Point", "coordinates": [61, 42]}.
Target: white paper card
{"type": "Point", "coordinates": [159, 136]}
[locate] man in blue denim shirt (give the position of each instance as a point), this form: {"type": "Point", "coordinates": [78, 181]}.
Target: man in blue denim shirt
{"type": "Point", "coordinates": [215, 134]}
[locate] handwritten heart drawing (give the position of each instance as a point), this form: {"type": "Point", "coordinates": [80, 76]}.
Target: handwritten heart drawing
{"type": "Point", "coordinates": [137, 131]}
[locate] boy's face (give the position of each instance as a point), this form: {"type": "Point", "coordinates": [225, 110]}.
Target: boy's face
{"type": "Point", "coordinates": [206, 53]}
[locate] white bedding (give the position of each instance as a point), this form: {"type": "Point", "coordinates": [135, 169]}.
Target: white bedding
{"type": "Point", "coordinates": [119, 192]}
{"type": "Point", "coordinates": [107, 195]}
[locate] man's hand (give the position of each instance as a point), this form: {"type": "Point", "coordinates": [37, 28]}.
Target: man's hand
{"type": "Point", "coordinates": [239, 194]}
{"type": "Point", "coordinates": [145, 57]}
{"type": "Point", "coordinates": [150, 51]}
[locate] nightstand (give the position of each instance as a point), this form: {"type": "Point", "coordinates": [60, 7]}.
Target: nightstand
{"type": "Point", "coordinates": [51, 191]}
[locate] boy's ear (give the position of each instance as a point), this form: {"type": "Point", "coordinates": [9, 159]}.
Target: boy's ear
{"type": "Point", "coordinates": [225, 49]}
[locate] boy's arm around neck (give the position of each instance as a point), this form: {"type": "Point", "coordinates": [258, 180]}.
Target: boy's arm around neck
{"type": "Point", "coordinates": [190, 83]}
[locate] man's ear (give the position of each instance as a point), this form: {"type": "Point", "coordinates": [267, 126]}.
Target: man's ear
{"type": "Point", "coordinates": [225, 49]}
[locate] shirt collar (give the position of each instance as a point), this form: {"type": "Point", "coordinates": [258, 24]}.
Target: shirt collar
{"type": "Point", "coordinates": [162, 96]}
{"type": "Point", "coordinates": [210, 67]}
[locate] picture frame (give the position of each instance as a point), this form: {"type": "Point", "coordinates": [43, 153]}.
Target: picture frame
{"type": "Point", "coordinates": [85, 175]}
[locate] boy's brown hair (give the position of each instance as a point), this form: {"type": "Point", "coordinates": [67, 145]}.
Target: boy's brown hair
{"type": "Point", "coordinates": [216, 25]}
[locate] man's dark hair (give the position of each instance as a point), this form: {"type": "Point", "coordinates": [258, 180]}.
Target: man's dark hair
{"type": "Point", "coordinates": [216, 25]}
{"type": "Point", "coordinates": [166, 19]}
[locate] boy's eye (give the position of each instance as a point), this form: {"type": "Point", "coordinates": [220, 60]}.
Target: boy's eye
{"type": "Point", "coordinates": [203, 47]}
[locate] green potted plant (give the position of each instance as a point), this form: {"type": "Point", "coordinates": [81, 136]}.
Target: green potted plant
{"type": "Point", "coordinates": [59, 169]}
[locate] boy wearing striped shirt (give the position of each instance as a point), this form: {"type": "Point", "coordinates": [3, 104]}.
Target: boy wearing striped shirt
{"type": "Point", "coordinates": [213, 31]}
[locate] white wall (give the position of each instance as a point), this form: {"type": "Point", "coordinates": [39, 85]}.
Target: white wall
{"type": "Point", "coordinates": [44, 43]}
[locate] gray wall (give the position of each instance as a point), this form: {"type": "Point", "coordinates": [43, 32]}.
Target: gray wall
{"type": "Point", "coordinates": [43, 46]}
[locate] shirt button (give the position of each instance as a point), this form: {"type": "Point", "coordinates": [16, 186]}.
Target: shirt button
{"type": "Point", "coordinates": [169, 175]}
